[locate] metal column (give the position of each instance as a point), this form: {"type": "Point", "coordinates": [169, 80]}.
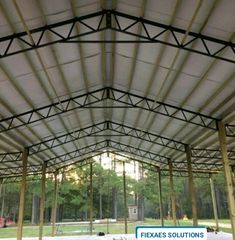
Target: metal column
{"type": "Point", "coordinates": [124, 196]}
{"type": "Point", "coordinates": [54, 204]}
{"type": "Point", "coordinates": [91, 199]}
{"type": "Point", "coordinates": [42, 201]}
{"type": "Point", "coordinates": [22, 194]}
{"type": "Point", "coordinates": [214, 203]}
{"type": "Point", "coordinates": [227, 174]}
{"type": "Point", "coordinates": [172, 191]}
{"type": "Point", "coordinates": [160, 197]}
{"type": "Point", "coordinates": [191, 185]}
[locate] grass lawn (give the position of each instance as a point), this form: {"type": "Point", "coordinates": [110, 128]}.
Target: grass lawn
{"type": "Point", "coordinates": [32, 231]}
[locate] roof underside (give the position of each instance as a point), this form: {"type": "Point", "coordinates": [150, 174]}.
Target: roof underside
{"type": "Point", "coordinates": [139, 78]}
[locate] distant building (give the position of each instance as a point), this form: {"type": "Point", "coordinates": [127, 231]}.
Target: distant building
{"type": "Point", "coordinates": [133, 212]}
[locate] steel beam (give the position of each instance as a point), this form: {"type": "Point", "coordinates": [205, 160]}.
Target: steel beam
{"type": "Point", "coordinates": [10, 156]}
{"type": "Point", "coordinates": [191, 185]}
{"type": "Point", "coordinates": [42, 200]}
{"type": "Point", "coordinates": [153, 32]}
{"type": "Point", "coordinates": [227, 174]}
{"type": "Point", "coordinates": [22, 195]}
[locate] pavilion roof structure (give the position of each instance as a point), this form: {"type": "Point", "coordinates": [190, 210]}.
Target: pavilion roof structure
{"type": "Point", "coordinates": [143, 79]}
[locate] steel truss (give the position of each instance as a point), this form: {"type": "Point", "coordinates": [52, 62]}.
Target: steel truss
{"type": "Point", "coordinates": [100, 147]}
{"type": "Point", "coordinates": [153, 32]}
{"type": "Point", "coordinates": [230, 130]}
{"type": "Point", "coordinates": [100, 129]}
{"type": "Point", "coordinates": [95, 99]}
{"type": "Point", "coordinates": [124, 130]}
{"type": "Point", "coordinates": [11, 156]}
{"type": "Point", "coordinates": [90, 150]}
{"type": "Point", "coordinates": [36, 173]}
{"type": "Point", "coordinates": [36, 176]}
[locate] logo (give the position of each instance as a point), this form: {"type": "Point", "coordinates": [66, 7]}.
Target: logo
{"type": "Point", "coordinates": [170, 233]}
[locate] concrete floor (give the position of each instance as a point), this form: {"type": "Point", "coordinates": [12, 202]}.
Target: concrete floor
{"type": "Point", "coordinates": [210, 236]}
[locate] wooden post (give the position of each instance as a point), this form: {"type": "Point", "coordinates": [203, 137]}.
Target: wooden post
{"type": "Point", "coordinates": [42, 201]}
{"type": "Point", "coordinates": [191, 185]}
{"type": "Point", "coordinates": [160, 197]}
{"type": "Point", "coordinates": [22, 194]}
{"type": "Point", "coordinates": [124, 196]}
{"type": "Point", "coordinates": [91, 199]}
{"type": "Point", "coordinates": [214, 203]}
{"type": "Point", "coordinates": [227, 174]}
{"type": "Point", "coordinates": [54, 204]}
{"type": "Point", "coordinates": [172, 192]}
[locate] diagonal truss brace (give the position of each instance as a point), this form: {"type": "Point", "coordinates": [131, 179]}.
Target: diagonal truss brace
{"type": "Point", "coordinates": [95, 99]}
{"type": "Point", "coordinates": [153, 32]}
{"type": "Point", "coordinates": [10, 156]}
{"type": "Point", "coordinates": [230, 130]}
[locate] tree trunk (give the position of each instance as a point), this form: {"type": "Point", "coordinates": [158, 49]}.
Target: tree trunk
{"type": "Point", "coordinates": [114, 203]}
{"type": "Point", "coordinates": [35, 204]}
{"type": "Point", "coordinates": [141, 208]}
{"type": "Point", "coordinates": [141, 197]}
{"type": "Point", "coordinates": [3, 200]}
{"type": "Point", "coordinates": [101, 206]}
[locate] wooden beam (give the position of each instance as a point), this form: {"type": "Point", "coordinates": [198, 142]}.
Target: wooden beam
{"type": "Point", "coordinates": [22, 194]}
{"type": "Point", "coordinates": [124, 198]}
{"type": "Point", "coordinates": [214, 202]}
{"type": "Point", "coordinates": [54, 204]}
{"type": "Point", "coordinates": [191, 185]}
{"type": "Point", "coordinates": [160, 197]}
{"type": "Point", "coordinates": [227, 174]}
{"type": "Point", "coordinates": [42, 200]}
{"type": "Point", "coordinates": [172, 193]}
{"type": "Point", "coordinates": [91, 199]}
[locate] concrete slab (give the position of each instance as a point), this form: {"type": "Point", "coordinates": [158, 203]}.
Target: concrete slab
{"type": "Point", "coordinates": [210, 236]}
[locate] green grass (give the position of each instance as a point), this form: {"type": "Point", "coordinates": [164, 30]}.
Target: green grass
{"type": "Point", "coordinates": [113, 228]}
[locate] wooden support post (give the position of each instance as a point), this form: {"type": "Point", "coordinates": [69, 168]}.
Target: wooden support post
{"type": "Point", "coordinates": [91, 199]}
{"type": "Point", "coordinates": [54, 204]}
{"type": "Point", "coordinates": [124, 196]}
{"type": "Point", "coordinates": [42, 200]}
{"type": "Point", "coordinates": [214, 203]}
{"type": "Point", "coordinates": [172, 192]}
{"type": "Point", "coordinates": [191, 185]}
{"type": "Point", "coordinates": [22, 194]}
{"type": "Point", "coordinates": [227, 174]}
{"type": "Point", "coordinates": [160, 197]}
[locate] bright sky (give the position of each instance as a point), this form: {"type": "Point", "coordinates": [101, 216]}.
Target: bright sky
{"type": "Point", "coordinates": [107, 162]}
